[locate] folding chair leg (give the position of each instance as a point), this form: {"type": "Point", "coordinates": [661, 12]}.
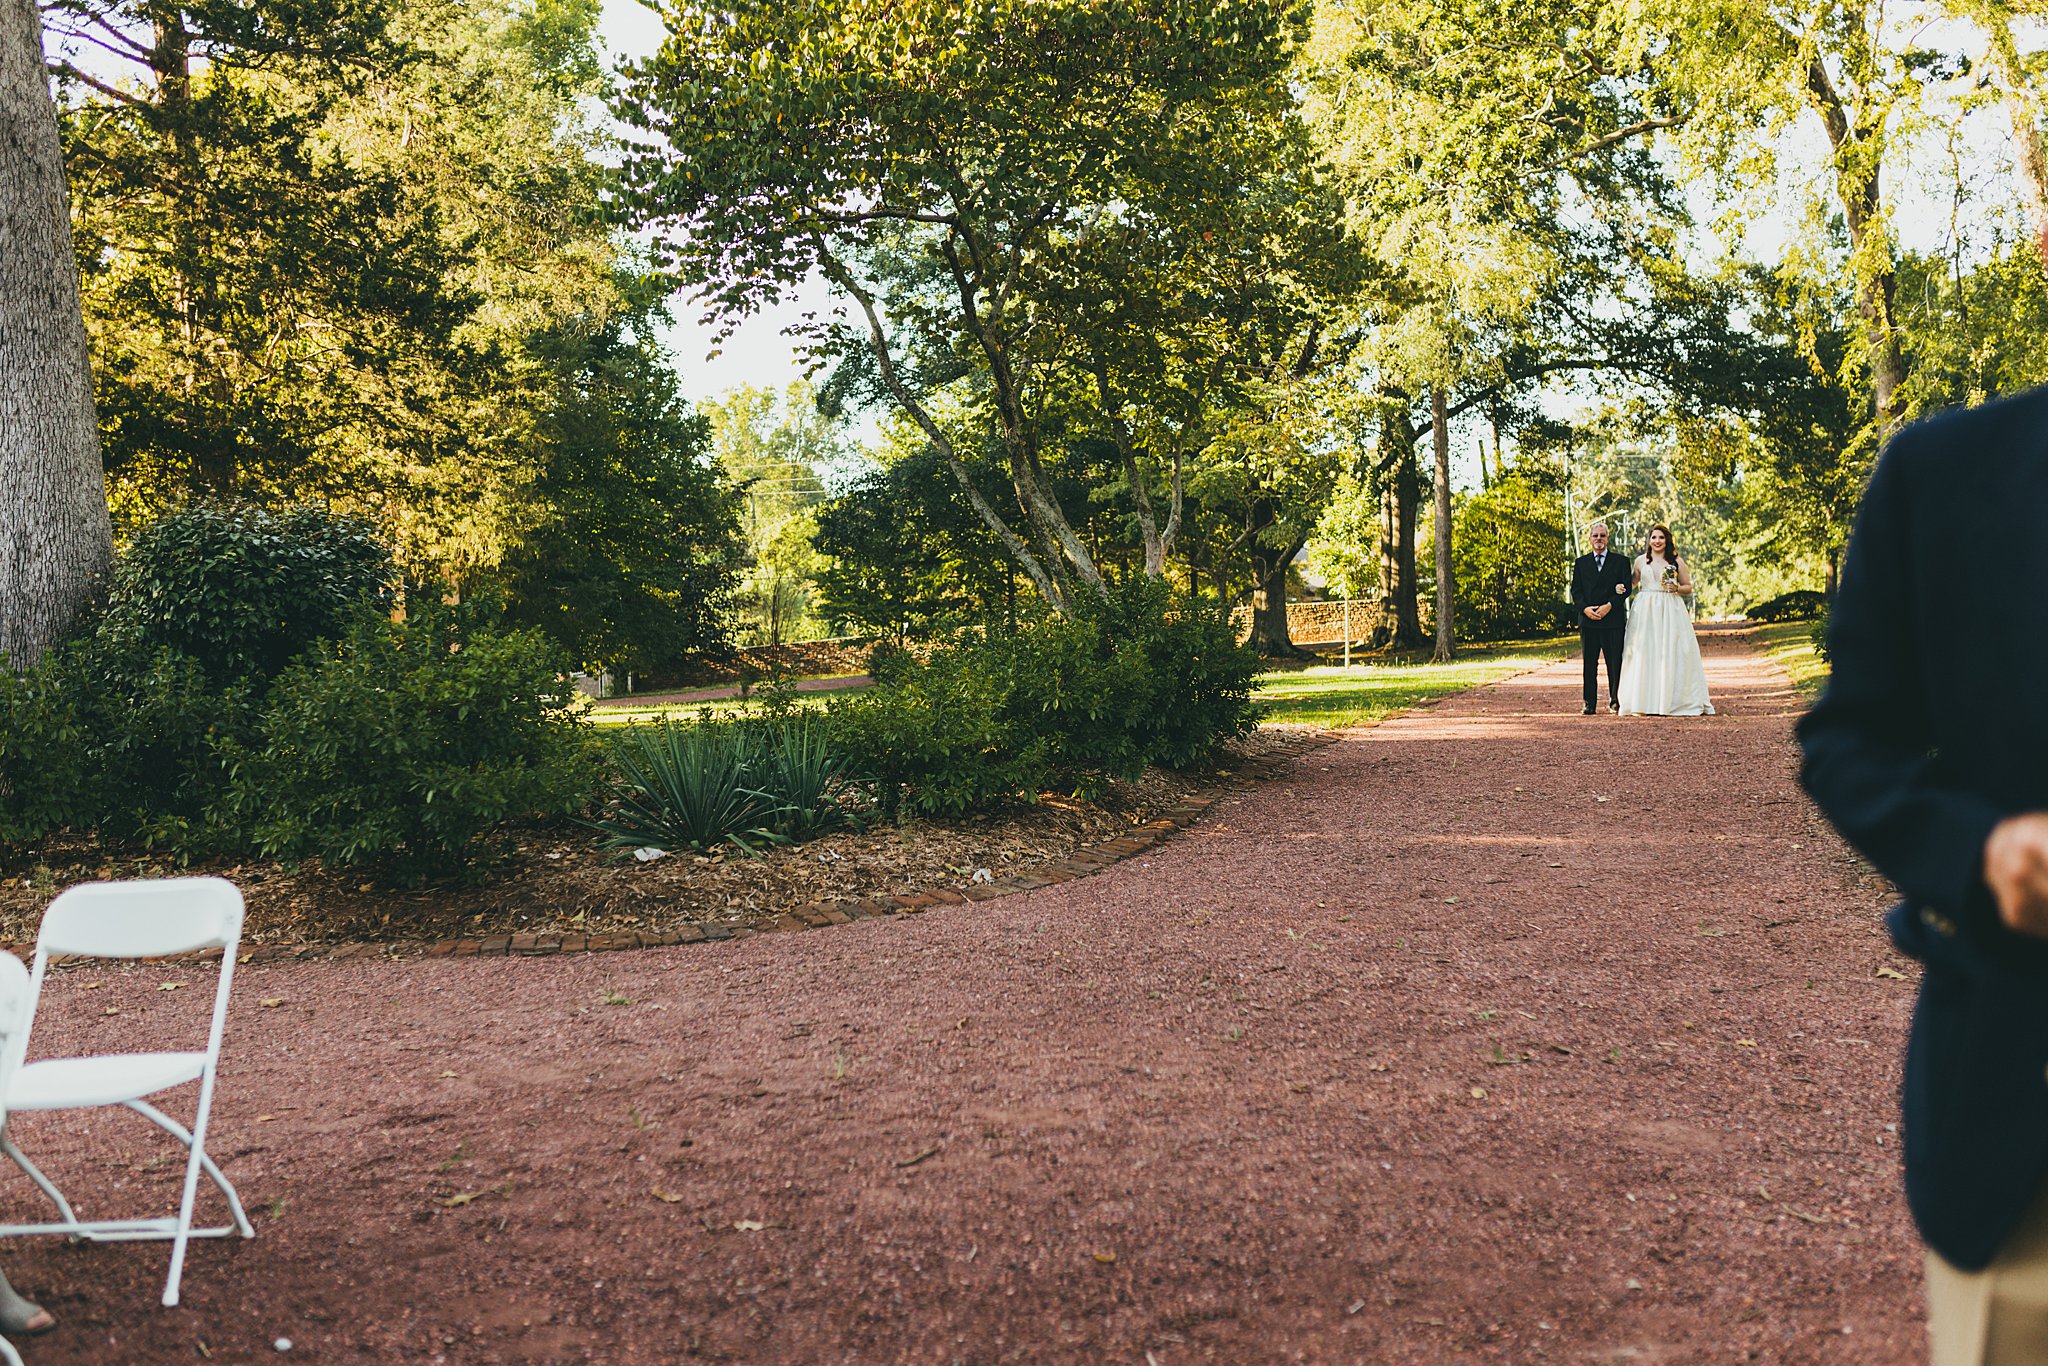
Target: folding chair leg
{"type": "Point", "coordinates": [48, 1187]}
{"type": "Point", "coordinates": [196, 1160]}
{"type": "Point", "coordinates": [214, 1173]}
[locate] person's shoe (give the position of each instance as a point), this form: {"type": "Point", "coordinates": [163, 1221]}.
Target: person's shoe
{"type": "Point", "coordinates": [1613, 706]}
{"type": "Point", "coordinates": [1587, 712]}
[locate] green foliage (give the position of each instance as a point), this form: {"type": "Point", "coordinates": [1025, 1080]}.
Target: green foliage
{"type": "Point", "coordinates": [697, 785]}
{"type": "Point", "coordinates": [1129, 680]}
{"type": "Point", "coordinates": [687, 786]}
{"type": "Point", "coordinates": [906, 554]}
{"type": "Point", "coordinates": [45, 768]}
{"type": "Point", "coordinates": [1510, 556]}
{"type": "Point", "coordinates": [629, 556]}
{"type": "Point", "coordinates": [242, 590]}
{"type": "Point", "coordinates": [1198, 680]}
{"type": "Point", "coordinates": [1801, 604]}
{"type": "Point", "coordinates": [406, 744]}
{"type": "Point", "coordinates": [938, 741]}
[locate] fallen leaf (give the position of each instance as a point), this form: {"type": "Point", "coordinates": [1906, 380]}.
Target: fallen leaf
{"type": "Point", "coordinates": [1745, 1043]}
{"type": "Point", "coordinates": [1479, 1093]}
{"type": "Point", "coordinates": [748, 1225]}
{"type": "Point", "coordinates": [110, 1010]}
{"type": "Point", "coordinates": [447, 1074]}
{"type": "Point", "coordinates": [90, 986]}
{"type": "Point", "coordinates": [915, 1158]}
{"type": "Point", "coordinates": [170, 986]}
{"type": "Point", "coordinates": [665, 1197]}
{"type": "Point", "coordinates": [265, 1119]}
{"type": "Point", "coordinates": [1106, 1258]}
{"type": "Point", "coordinates": [1893, 973]}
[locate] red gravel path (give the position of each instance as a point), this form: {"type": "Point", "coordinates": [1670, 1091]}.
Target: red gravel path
{"type": "Point", "coordinates": [1221, 1102]}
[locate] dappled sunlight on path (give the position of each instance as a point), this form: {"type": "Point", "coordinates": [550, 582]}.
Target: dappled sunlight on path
{"type": "Point", "coordinates": [1495, 1032]}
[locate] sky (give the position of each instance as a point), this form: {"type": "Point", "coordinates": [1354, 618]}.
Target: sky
{"type": "Point", "coordinates": [758, 354]}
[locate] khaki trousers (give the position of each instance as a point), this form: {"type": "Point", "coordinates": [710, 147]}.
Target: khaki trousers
{"type": "Point", "coordinates": [1997, 1316]}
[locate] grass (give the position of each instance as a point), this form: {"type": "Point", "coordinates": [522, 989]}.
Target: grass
{"type": "Point", "coordinates": [1365, 693]}
{"type": "Point", "coordinates": [1789, 645]}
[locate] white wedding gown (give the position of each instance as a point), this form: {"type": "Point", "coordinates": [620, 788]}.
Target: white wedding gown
{"type": "Point", "coordinates": [1661, 672]}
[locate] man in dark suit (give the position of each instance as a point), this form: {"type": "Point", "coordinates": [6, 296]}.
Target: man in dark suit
{"type": "Point", "coordinates": [1929, 751]}
{"type": "Point", "coordinates": [1600, 584]}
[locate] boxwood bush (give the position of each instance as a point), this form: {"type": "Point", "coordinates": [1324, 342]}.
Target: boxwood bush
{"type": "Point", "coordinates": [1128, 680]}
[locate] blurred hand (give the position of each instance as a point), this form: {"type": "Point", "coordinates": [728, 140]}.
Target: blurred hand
{"type": "Point", "coordinates": [2016, 871]}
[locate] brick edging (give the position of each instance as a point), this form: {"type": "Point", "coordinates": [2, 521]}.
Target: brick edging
{"type": "Point", "coordinates": [816, 915]}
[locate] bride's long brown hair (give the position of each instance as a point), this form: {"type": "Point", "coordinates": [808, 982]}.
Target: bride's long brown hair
{"type": "Point", "coordinates": [1670, 545]}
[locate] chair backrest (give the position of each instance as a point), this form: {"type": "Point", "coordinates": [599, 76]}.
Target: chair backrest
{"type": "Point", "coordinates": [144, 918]}
{"type": "Point", "coordinates": [17, 1007]}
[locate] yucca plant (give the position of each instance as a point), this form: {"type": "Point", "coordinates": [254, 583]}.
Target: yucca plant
{"type": "Point", "coordinates": [805, 774]}
{"type": "Point", "coordinates": [689, 786]}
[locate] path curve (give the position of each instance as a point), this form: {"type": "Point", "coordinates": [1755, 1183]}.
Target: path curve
{"type": "Point", "coordinates": [1426, 1054]}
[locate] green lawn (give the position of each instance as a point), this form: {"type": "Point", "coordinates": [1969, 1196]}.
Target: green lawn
{"type": "Point", "coordinates": [1366, 693]}
{"type": "Point", "coordinates": [1789, 645]}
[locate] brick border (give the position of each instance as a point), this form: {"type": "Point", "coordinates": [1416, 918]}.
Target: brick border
{"type": "Point", "coordinates": [816, 915]}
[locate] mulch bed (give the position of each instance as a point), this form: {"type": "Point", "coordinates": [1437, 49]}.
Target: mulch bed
{"type": "Point", "coordinates": [1493, 1033]}
{"type": "Point", "coordinates": [556, 881]}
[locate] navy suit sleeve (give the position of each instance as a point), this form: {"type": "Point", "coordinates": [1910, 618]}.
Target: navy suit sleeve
{"type": "Point", "coordinates": [1581, 585]}
{"type": "Point", "coordinates": [1868, 741]}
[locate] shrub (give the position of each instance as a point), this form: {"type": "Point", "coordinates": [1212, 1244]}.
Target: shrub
{"type": "Point", "coordinates": [1084, 698]}
{"type": "Point", "coordinates": [686, 787]}
{"type": "Point", "coordinates": [1820, 634]}
{"type": "Point", "coordinates": [1200, 678]}
{"type": "Point", "coordinates": [939, 740]}
{"type": "Point", "coordinates": [697, 785]}
{"type": "Point", "coordinates": [406, 744]}
{"type": "Point", "coordinates": [241, 589]}
{"type": "Point", "coordinates": [45, 778]}
{"type": "Point", "coordinates": [1128, 680]}
{"type": "Point", "coordinates": [156, 729]}
{"type": "Point", "coordinates": [1800, 604]}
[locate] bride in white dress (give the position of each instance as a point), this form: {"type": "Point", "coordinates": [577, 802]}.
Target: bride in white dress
{"type": "Point", "coordinates": [1661, 672]}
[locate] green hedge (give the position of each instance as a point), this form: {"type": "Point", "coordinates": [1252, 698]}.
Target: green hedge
{"type": "Point", "coordinates": [245, 690]}
{"type": "Point", "coordinates": [1129, 680]}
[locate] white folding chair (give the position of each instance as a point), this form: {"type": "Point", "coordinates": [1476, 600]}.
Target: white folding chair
{"type": "Point", "coordinates": [17, 1004]}
{"type": "Point", "coordinates": [146, 918]}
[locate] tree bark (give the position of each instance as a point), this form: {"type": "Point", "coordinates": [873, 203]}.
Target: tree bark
{"type": "Point", "coordinates": [2024, 108]}
{"type": "Point", "coordinates": [55, 537]}
{"type": "Point", "coordinates": [1271, 637]}
{"type": "Point", "coordinates": [1440, 434]}
{"type": "Point", "coordinates": [1858, 159]}
{"type": "Point", "coordinates": [1400, 623]}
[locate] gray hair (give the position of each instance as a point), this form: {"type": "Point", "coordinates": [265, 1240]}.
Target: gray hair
{"type": "Point", "coordinates": [1597, 526]}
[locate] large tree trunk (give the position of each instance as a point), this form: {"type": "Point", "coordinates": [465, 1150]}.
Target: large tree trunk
{"type": "Point", "coordinates": [1858, 164]}
{"type": "Point", "coordinates": [55, 538]}
{"type": "Point", "coordinates": [1440, 433]}
{"type": "Point", "coordinates": [1271, 637]}
{"type": "Point", "coordinates": [2024, 108]}
{"type": "Point", "coordinates": [1400, 623]}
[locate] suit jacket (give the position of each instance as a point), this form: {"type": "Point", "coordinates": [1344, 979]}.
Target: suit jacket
{"type": "Point", "coordinates": [1593, 585]}
{"type": "Point", "coordinates": [1932, 729]}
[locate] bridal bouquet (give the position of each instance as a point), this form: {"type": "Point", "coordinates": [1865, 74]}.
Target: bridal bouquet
{"type": "Point", "coordinates": [1670, 575]}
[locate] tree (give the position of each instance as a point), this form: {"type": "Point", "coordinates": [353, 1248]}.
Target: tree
{"type": "Point", "coordinates": [317, 236]}
{"type": "Point", "coordinates": [1492, 155]}
{"type": "Point", "coordinates": [909, 557]}
{"type": "Point", "coordinates": [935, 161]}
{"type": "Point", "coordinates": [55, 537]}
{"type": "Point", "coordinates": [1510, 541]}
{"type": "Point", "coordinates": [772, 448]}
{"type": "Point", "coordinates": [631, 558]}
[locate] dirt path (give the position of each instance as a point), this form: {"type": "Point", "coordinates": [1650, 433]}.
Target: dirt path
{"type": "Point", "coordinates": [1429, 1054]}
